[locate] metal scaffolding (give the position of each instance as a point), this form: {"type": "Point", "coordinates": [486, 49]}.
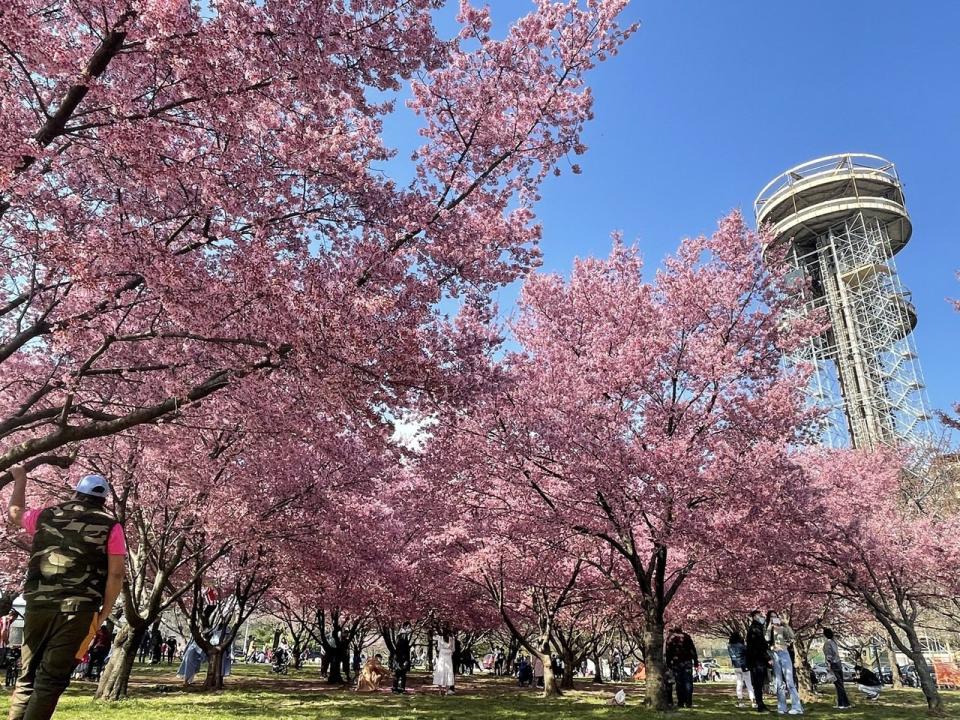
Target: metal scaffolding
{"type": "Point", "coordinates": [845, 219]}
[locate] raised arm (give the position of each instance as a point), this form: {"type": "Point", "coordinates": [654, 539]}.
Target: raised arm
{"type": "Point", "coordinates": [18, 499]}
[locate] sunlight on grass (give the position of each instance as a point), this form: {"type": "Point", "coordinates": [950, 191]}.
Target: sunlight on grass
{"type": "Point", "coordinates": [253, 694]}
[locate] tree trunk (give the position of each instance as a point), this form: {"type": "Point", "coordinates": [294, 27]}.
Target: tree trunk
{"type": "Point", "coordinates": [510, 661]}
{"type": "Point", "coordinates": [116, 674]}
{"type": "Point", "coordinates": [345, 664]}
{"type": "Point", "coordinates": [894, 668]}
{"type": "Point", "coordinates": [550, 686]}
{"type": "Point", "coordinates": [804, 672]}
{"type": "Point", "coordinates": [927, 683]}
{"type": "Point", "coordinates": [597, 670]}
{"type": "Point", "coordinates": [214, 679]}
{"type": "Point", "coordinates": [335, 676]}
{"type": "Point", "coordinates": [566, 681]}
{"type": "Point", "coordinates": [656, 691]}
{"type": "Point", "coordinates": [429, 650]}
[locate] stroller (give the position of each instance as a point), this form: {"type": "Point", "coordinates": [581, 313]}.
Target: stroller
{"type": "Point", "coordinates": [281, 661]}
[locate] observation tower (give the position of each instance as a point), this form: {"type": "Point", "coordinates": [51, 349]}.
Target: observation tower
{"type": "Point", "coordinates": [845, 219]}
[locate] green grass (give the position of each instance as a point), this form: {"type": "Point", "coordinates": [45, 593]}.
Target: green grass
{"type": "Point", "coordinates": [253, 694]}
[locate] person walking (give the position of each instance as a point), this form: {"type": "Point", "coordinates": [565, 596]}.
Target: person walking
{"type": "Point", "coordinates": [401, 659]}
{"type": "Point", "coordinates": [737, 650]}
{"type": "Point", "coordinates": [681, 656]}
{"type": "Point", "coordinates": [171, 649]}
{"type": "Point", "coordinates": [73, 579]}
{"type": "Point", "coordinates": [758, 657]}
{"type": "Point", "coordinates": [831, 653]}
{"type": "Point", "coordinates": [780, 637]}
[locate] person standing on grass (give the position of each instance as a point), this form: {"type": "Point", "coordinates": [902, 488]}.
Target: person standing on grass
{"type": "Point", "coordinates": [537, 671]}
{"type": "Point", "coordinates": [171, 649]}
{"type": "Point", "coordinates": [831, 653]}
{"type": "Point", "coordinates": [144, 652]}
{"type": "Point", "coordinates": [758, 657]}
{"type": "Point", "coordinates": [780, 637]}
{"type": "Point", "coordinates": [401, 659]}
{"type": "Point", "coordinates": [737, 650]}
{"type": "Point", "coordinates": [156, 644]}
{"type": "Point", "coordinates": [443, 676]}
{"type": "Point", "coordinates": [681, 656]}
{"type": "Point", "coordinates": [73, 579]}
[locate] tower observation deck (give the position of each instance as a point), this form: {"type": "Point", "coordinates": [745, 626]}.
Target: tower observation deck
{"type": "Point", "coordinates": [844, 217]}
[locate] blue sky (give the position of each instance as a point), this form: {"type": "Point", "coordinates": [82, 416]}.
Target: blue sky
{"type": "Point", "coordinates": [711, 99]}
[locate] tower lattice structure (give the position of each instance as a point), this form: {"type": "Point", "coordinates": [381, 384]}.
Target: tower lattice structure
{"type": "Point", "coordinates": [845, 218]}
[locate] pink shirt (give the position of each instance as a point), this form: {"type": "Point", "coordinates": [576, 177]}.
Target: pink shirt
{"type": "Point", "coordinates": [116, 542]}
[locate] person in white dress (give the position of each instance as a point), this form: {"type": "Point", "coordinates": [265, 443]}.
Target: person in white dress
{"type": "Point", "coordinates": [443, 671]}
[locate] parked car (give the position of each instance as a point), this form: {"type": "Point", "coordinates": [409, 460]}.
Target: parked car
{"type": "Point", "coordinates": [908, 673]}
{"type": "Point", "coordinates": [821, 670]}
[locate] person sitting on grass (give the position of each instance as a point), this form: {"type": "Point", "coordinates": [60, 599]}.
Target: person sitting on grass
{"type": "Point", "coordinates": [867, 682]}
{"type": "Point", "coordinates": [372, 675]}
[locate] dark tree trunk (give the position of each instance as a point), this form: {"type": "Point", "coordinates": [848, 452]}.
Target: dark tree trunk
{"type": "Point", "coordinates": [115, 678]}
{"type": "Point", "coordinates": [927, 683]}
{"type": "Point", "coordinates": [656, 691]}
{"type": "Point", "coordinates": [597, 669]}
{"type": "Point", "coordinates": [335, 675]}
{"type": "Point", "coordinates": [512, 649]}
{"type": "Point", "coordinates": [345, 664]}
{"type": "Point", "coordinates": [566, 681]}
{"type": "Point", "coordinates": [214, 679]}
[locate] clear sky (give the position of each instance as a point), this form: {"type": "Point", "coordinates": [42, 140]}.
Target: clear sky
{"type": "Point", "coordinates": [711, 99]}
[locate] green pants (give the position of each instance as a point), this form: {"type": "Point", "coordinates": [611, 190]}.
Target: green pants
{"type": "Point", "coordinates": [51, 641]}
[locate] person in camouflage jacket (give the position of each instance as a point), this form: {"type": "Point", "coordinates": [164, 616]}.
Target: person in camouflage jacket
{"type": "Point", "coordinates": [73, 580]}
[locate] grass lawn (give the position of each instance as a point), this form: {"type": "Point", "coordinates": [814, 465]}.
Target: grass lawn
{"type": "Point", "coordinates": [253, 694]}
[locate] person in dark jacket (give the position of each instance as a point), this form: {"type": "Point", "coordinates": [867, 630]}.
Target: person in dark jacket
{"type": "Point", "coordinates": [867, 682]}
{"type": "Point", "coordinates": [758, 657]}
{"type": "Point", "coordinates": [156, 644]}
{"type": "Point", "coordinates": [401, 659]}
{"type": "Point", "coordinates": [681, 656]}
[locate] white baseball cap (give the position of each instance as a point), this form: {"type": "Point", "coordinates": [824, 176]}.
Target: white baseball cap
{"type": "Point", "coordinates": [94, 486]}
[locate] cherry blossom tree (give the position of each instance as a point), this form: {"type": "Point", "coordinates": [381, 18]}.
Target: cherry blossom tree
{"type": "Point", "coordinates": [651, 417]}
{"type": "Point", "coordinates": [192, 197]}
{"type": "Point", "coordinates": [883, 549]}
